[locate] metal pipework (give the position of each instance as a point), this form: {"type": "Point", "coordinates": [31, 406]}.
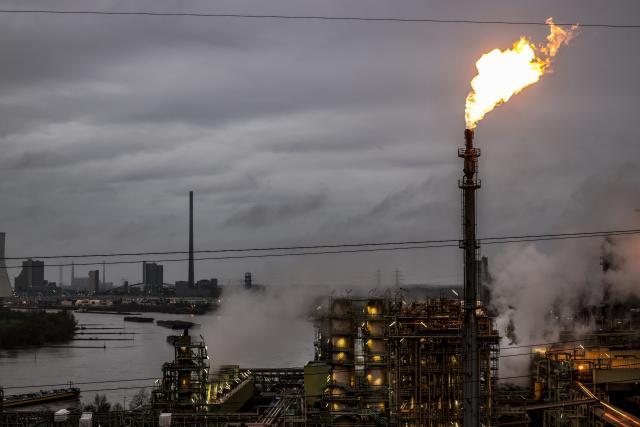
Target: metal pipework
{"type": "Point", "coordinates": [469, 184]}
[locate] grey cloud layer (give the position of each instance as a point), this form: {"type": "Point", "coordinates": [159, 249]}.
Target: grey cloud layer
{"type": "Point", "coordinates": [297, 132]}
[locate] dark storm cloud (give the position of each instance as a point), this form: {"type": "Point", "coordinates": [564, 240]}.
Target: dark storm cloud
{"type": "Point", "coordinates": [302, 131]}
{"type": "Point", "coordinates": [278, 213]}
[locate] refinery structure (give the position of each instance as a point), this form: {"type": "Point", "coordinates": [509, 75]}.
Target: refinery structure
{"type": "Point", "coordinates": [398, 362]}
{"type": "Point", "coordinates": [399, 359]}
{"type": "Point", "coordinates": [407, 360]}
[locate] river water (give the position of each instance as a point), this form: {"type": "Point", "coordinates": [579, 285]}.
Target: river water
{"type": "Point", "coordinates": [247, 337]}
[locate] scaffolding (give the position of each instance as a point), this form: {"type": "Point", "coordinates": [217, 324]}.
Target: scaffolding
{"type": "Point", "coordinates": [184, 386]}
{"type": "Point", "coordinates": [426, 347]}
{"type": "Point", "coordinates": [392, 362]}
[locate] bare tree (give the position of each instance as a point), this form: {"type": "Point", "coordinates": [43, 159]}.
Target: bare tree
{"type": "Point", "coordinates": [139, 399]}
{"type": "Point", "coordinates": [99, 404]}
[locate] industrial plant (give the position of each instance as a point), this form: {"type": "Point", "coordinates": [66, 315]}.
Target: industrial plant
{"type": "Point", "coordinates": [385, 357]}
{"type": "Point", "coordinates": [398, 362]}
{"type": "Point", "coordinates": [406, 360]}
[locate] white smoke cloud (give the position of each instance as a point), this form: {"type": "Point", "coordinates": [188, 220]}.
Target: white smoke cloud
{"type": "Point", "coordinates": [262, 329]}
{"type": "Point", "coordinates": [623, 276]}
{"type": "Point", "coordinates": [534, 291]}
{"type": "Point", "coordinates": [538, 288]}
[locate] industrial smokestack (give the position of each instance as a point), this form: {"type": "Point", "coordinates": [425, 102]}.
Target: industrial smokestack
{"type": "Point", "coordinates": [5, 284]}
{"type": "Point", "coordinates": [191, 273]}
{"type": "Point", "coordinates": [469, 184]}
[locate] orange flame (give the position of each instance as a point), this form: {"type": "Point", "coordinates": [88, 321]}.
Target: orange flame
{"type": "Point", "coordinates": [502, 74]}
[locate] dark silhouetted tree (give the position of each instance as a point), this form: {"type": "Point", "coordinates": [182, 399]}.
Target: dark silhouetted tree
{"type": "Point", "coordinates": [99, 404]}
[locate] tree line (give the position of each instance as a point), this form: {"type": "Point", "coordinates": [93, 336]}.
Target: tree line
{"type": "Point", "coordinates": [19, 328]}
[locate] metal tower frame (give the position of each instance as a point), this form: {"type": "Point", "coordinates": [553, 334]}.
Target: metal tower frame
{"type": "Point", "coordinates": [469, 184]}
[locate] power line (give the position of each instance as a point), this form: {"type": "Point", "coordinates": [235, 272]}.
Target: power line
{"type": "Point", "coordinates": [74, 383]}
{"type": "Point", "coordinates": [561, 342]}
{"type": "Point", "coordinates": [118, 388]}
{"type": "Point", "coordinates": [549, 343]}
{"type": "Point", "coordinates": [307, 17]}
{"type": "Point", "coordinates": [230, 257]}
{"type": "Point", "coordinates": [565, 235]}
{"type": "Point", "coordinates": [420, 243]}
{"type": "Point", "coordinates": [568, 237]}
{"type": "Point", "coordinates": [81, 383]}
{"type": "Point", "coordinates": [263, 249]}
{"type": "Point", "coordinates": [137, 387]}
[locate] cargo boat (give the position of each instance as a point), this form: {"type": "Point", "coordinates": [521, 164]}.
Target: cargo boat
{"type": "Point", "coordinates": [138, 319]}
{"type": "Point", "coordinates": [42, 396]}
{"type": "Point", "coordinates": [175, 324]}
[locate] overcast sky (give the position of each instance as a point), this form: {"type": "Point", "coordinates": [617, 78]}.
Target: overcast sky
{"type": "Point", "coordinates": [304, 132]}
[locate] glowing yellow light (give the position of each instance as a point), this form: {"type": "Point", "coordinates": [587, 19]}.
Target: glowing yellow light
{"type": "Point", "coordinates": [504, 73]}
{"type": "Point", "coordinates": [540, 350]}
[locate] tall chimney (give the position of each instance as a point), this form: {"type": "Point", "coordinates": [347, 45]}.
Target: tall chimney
{"type": "Point", "coordinates": [191, 280]}
{"type": "Point", "coordinates": [5, 284]}
{"type": "Point", "coordinates": [469, 184]}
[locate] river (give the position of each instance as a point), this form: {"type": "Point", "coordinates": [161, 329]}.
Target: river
{"type": "Point", "coordinates": [253, 338]}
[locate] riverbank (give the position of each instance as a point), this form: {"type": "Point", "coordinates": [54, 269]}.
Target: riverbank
{"type": "Point", "coordinates": [110, 362]}
{"type": "Point", "coordinates": [19, 329]}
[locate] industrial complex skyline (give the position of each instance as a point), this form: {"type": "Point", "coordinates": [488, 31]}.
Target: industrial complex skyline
{"type": "Point", "coordinates": [355, 214]}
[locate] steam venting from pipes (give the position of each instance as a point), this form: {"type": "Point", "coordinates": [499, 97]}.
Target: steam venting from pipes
{"type": "Point", "coordinates": [271, 328]}
{"type": "Point", "coordinates": [504, 73]}
{"type": "Point", "coordinates": [538, 291]}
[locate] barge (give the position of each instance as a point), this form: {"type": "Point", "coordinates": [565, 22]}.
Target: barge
{"type": "Point", "coordinates": [42, 396]}
{"type": "Point", "coordinates": [175, 324]}
{"type": "Point", "coordinates": [138, 319]}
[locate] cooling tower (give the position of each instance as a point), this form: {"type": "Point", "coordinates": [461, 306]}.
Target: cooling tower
{"type": "Point", "coordinates": [5, 285]}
